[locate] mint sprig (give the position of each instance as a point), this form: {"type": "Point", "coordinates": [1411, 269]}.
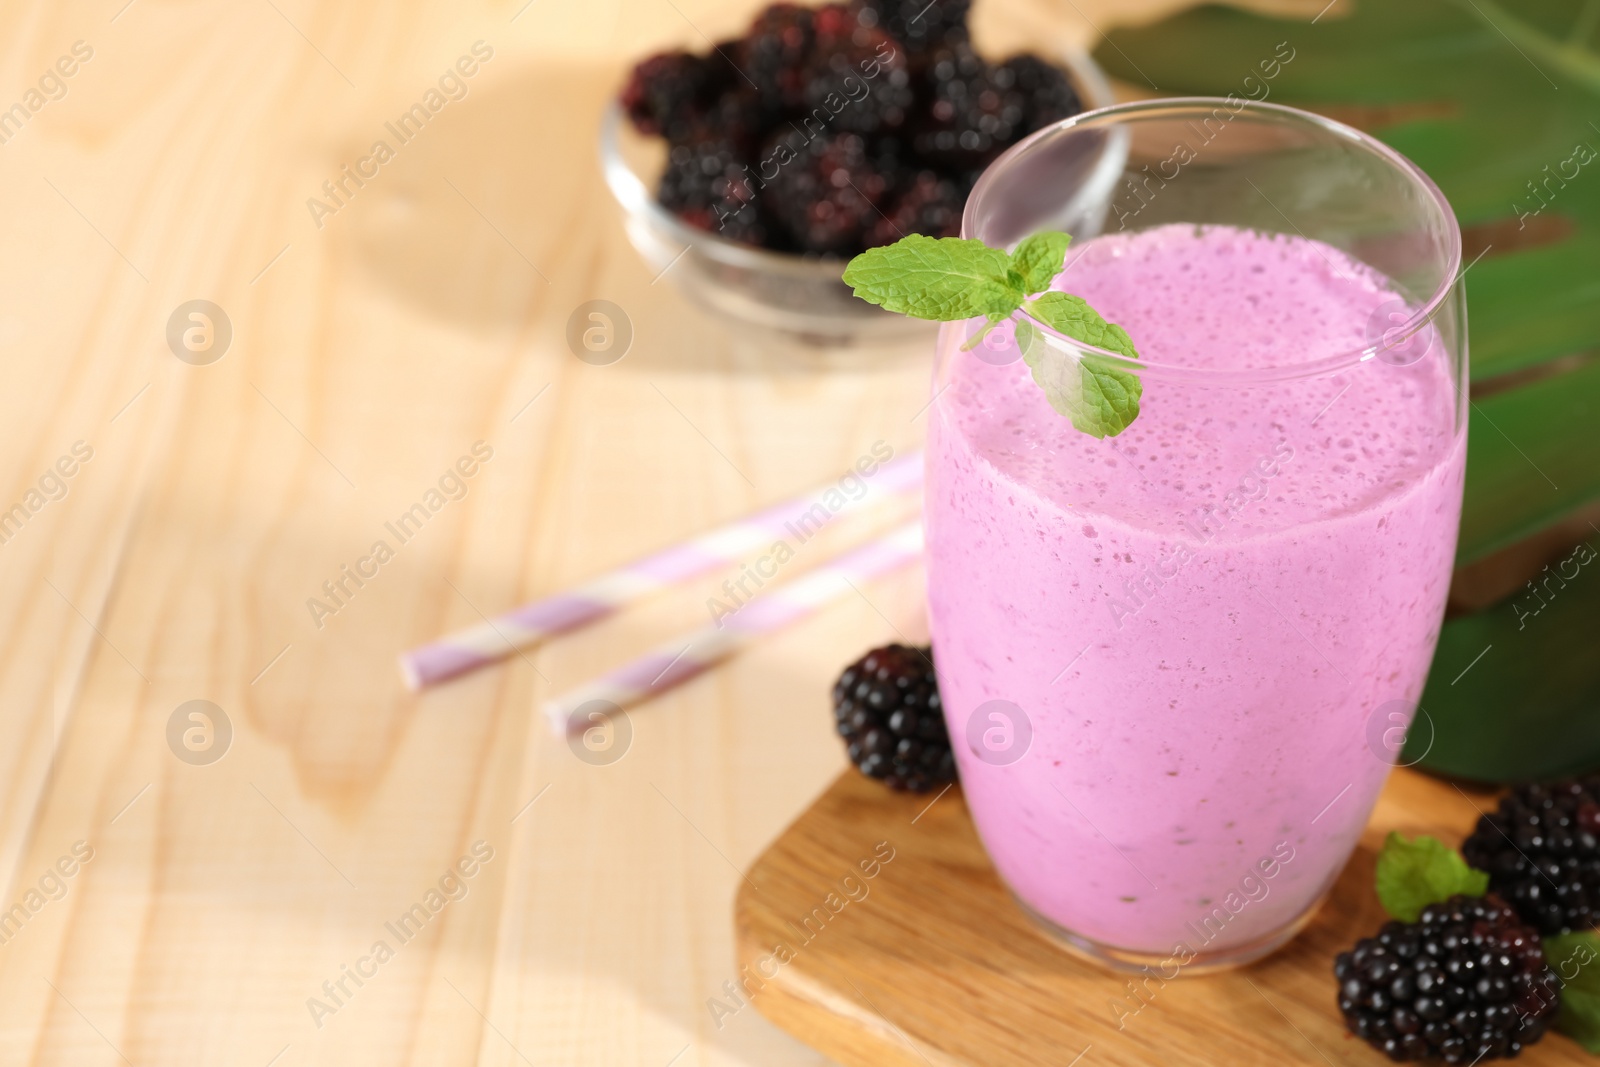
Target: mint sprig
{"type": "Point", "coordinates": [1413, 874]}
{"type": "Point", "coordinates": [949, 279]}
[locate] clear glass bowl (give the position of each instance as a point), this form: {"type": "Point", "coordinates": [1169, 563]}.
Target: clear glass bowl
{"type": "Point", "coordinates": [799, 297]}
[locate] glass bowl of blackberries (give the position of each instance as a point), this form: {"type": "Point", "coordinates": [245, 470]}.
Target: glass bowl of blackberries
{"type": "Point", "coordinates": [752, 172]}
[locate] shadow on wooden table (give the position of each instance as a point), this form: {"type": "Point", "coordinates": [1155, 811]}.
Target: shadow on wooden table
{"type": "Point", "coordinates": [496, 218]}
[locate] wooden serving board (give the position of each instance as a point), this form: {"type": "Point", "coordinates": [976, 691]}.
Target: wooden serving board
{"type": "Point", "coordinates": [935, 966]}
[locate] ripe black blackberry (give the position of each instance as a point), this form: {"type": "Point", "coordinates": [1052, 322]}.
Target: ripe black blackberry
{"type": "Point", "coordinates": [826, 190]}
{"type": "Point", "coordinates": [858, 78]}
{"type": "Point", "coordinates": [1047, 90]}
{"type": "Point", "coordinates": [666, 93]}
{"type": "Point", "coordinates": [707, 184]}
{"type": "Point", "coordinates": [928, 204]}
{"type": "Point", "coordinates": [1467, 981]}
{"type": "Point", "coordinates": [975, 110]}
{"type": "Point", "coordinates": [920, 24]}
{"type": "Point", "coordinates": [773, 53]}
{"type": "Point", "coordinates": [1541, 847]}
{"type": "Point", "coordinates": [737, 116]}
{"type": "Point", "coordinates": [887, 708]}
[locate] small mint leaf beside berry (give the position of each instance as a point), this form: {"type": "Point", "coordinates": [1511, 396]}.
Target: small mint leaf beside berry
{"type": "Point", "coordinates": [950, 279]}
{"type": "Point", "coordinates": [1424, 870]}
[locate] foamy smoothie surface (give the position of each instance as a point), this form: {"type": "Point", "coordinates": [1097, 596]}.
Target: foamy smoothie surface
{"type": "Point", "coordinates": [1202, 617]}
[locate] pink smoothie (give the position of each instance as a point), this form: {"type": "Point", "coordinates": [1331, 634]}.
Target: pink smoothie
{"type": "Point", "coordinates": [1201, 618]}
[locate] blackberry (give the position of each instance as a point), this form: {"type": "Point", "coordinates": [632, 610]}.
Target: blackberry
{"type": "Point", "coordinates": [920, 24]}
{"type": "Point", "coordinates": [707, 184]}
{"type": "Point", "coordinates": [826, 190]}
{"type": "Point", "coordinates": [858, 78]}
{"type": "Point", "coordinates": [1467, 981]}
{"type": "Point", "coordinates": [975, 110]}
{"type": "Point", "coordinates": [929, 204]}
{"type": "Point", "coordinates": [773, 53]}
{"type": "Point", "coordinates": [666, 92]}
{"type": "Point", "coordinates": [1047, 90]}
{"type": "Point", "coordinates": [886, 705]}
{"type": "Point", "coordinates": [737, 117]}
{"type": "Point", "coordinates": [1541, 847]}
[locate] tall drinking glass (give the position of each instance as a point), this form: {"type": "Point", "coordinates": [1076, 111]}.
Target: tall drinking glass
{"type": "Point", "coordinates": [1177, 662]}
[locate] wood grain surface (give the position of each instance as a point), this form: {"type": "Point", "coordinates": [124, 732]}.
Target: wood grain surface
{"type": "Point", "coordinates": [225, 903]}
{"type": "Point", "coordinates": [930, 962]}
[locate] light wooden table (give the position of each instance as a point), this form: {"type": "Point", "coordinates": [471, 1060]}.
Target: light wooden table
{"type": "Point", "coordinates": [367, 354]}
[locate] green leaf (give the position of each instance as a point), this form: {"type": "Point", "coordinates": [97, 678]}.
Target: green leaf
{"type": "Point", "coordinates": [946, 279]}
{"type": "Point", "coordinates": [1072, 316]}
{"type": "Point", "coordinates": [1413, 874]}
{"type": "Point", "coordinates": [1027, 337]}
{"type": "Point", "coordinates": [1513, 690]}
{"type": "Point", "coordinates": [1038, 259]}
{"type": "Point", "coordinates": [1099, 397]}
{"type": "Point", "coordinates": [1514, 687]}
{"type": "Point", "coordinates": [1101, 401]}
{"type": "Point", "coordinates": [1576, 960]}
{"type": "Point", "coordinates": [1532, 458]}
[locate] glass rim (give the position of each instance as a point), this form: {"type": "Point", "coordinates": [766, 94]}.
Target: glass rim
{"type": "Point", "coordinates": [1393, 338]}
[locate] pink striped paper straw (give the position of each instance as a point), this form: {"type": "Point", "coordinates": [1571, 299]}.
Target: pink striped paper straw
{"type": "Point", "coordinates": [684, 657]}
{"type": "Point", "coordinates": [488, 642]}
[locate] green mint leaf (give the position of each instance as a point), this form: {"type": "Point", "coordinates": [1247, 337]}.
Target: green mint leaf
{"type": "Point", "coordinates": [1413, 874]}
{"type": "Point", "coordinates": [1072, 316]}
{"type": "Point", "coordinates": [1576, 960]}
{"type": "Point", "coordinates": [1101, 398]}
{"type": "Point", "coordinates": [1027, 337]}
{"type": "Point", "coordinates": [1038, 259]}
{"type": "Point", "coordinates": [946, 279]}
